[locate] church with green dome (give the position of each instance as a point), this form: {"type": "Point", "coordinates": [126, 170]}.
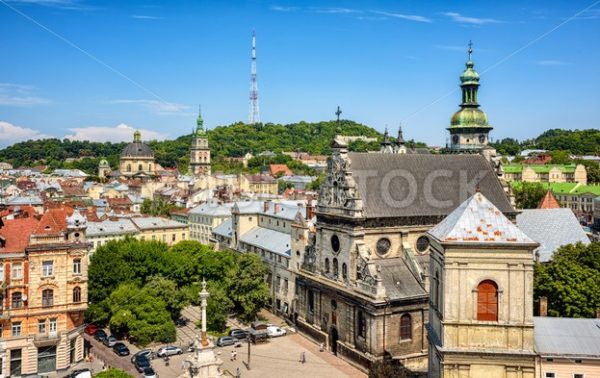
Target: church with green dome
{"type": "Point", "coordinates": [469, 128]}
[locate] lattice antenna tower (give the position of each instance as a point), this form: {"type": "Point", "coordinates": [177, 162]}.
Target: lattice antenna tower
{"type": "Point", "coordinates": [253, 115]}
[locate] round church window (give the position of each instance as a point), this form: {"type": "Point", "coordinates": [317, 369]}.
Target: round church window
{"type": "Point", "coordinates": [422, 244]}
{"type": "Point", "coordinates": [383, 246]}
{"type": "Point", "coordinates": [335, 243]}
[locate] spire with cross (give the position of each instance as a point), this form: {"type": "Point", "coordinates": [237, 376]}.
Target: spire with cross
{"type": "Point", "coordinates": [338, 112]}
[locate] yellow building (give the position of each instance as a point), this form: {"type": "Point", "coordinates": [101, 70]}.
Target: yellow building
{"type": "Point", "coordinates": [262, 183]}
{"type": "Point", "coordinates": [44, 268]}
{"type": "Point", "coordinates": [137, 159]}
{"type": "Point", "coordinates": [481, 287]}
{"type": "Point", "coordinates": [545, 173]}
{"type": "Point", "coordinates": [161, 229]}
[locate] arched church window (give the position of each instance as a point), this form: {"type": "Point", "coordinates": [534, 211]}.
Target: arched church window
{"type": "Point", "coordinates": [344, 271]}
{"type": "Point", "coordinates": [140, 167]}
{"type": "Point", "coordinates": [487, 301]}
{"type": "Point", "coordinates": [405, 327]}
{"type": "Point", "coordinates": [335, 267]}
{"type": "Point", "coordinates": [327, 265]}
{"type": "Point", "coordinates": [128, 167]}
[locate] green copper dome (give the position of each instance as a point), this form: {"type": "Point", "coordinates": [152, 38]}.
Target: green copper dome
{"type": "Point", "coordinates": [200, 124]}
{"type": "Point", "coordinates": [469, 117]}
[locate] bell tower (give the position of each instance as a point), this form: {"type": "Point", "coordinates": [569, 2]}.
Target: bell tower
{"type": "Point", "coordinates": [200, 151]}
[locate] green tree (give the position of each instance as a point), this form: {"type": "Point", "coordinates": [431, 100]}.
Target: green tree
{"type": "Point", "coordinates": [388, 369]}
{"type": "Point", "coordinates": [112, 373]}
{"type": "Point", "coordinates": [570, 281]}
{"type": "Point", "coordinates": [248, 291]}
{"type": "Point", "coordinates": [528, 194]}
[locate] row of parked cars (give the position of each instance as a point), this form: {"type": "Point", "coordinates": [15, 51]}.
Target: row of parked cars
{"type": "Point", "coordinates": [236, 335]}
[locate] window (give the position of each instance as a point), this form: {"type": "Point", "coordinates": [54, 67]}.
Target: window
{"type": "Point", "coordinates": [487, 301]}
{"type": "Point", "coordinates": [16, 329]}
{"type": "Point", "coordinates": [52, 326]}
{"type": "Point", "coordinates": [311, 302]}
{"type": "Point", "coordinates": [550, 375]}
{"type": "Point", "coordinates": [405, 327]}
{"type": "Point", "coordinates": [77, 266]}
{"type": "Point", "coordinates": [173, 237]}
{"type": "Point", "coordinates": [361, 324]}
{"type": "Point", "coordinates": [285, 285]}
{"type": "Point", "coordinates": [183, 236]}
{"type": "Point", "coordinates": [278, 283]}
{"type": "Point", "coordinates": [327, 265]}
{"type": "Point", "coordinates": [47, 297]}
{"type": "Point", "coordinates": [77, 295]}
{"type": "Point", "coordinates": [164, 238]}
{"type": "Point", "coordinates": [576, 375]}
{"type": "Point", "coordinates": [335, 267]}
{"type": "Point", "coordinates": [128, 167]}
{"type": "Point", "coordinates": [1, 272]}
{"type": "Point", "coordinates": [140, 167]}
{"type": "Point", "coordinates": [17, 300]}
{"type": "Point", "coordinates": [344, 271]}
{"type": "Point", "coordinates": [436, 290]}
{"type": "Point", "coordinates": [47, 268]}
{"type": "Point", "coordinates": [15, 362]}
{"type": "Point", "coordinates": [42, 326]}
{"type": "Point", "coordinates": [17, 271]}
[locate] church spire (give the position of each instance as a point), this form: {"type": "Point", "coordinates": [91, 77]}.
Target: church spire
{"type": "Point", "coordinates": [469, 82]}
{"type": "Point", "coordinates": [200, 122]}
{"type": "Point", "coordinates": [400, 140]}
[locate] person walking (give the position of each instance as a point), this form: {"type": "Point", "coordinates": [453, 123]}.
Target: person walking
{"type": "Point", "coordinates": [231, 356]}
{"type": "Point", "coordinates": [234, 355]}
{"type": "Point", "coordinates": [321, 347]}
{"type": "Point", "coordinates": [238, 374]}
{"type": "Point", "coordinates": [302, 357]}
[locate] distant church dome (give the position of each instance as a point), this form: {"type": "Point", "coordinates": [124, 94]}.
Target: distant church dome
{"type": "Point", "coordinates": [137, 148]}
{"type": "Point", "coordinates": [469, 117]}
{"type": "Point", "coordinates": [103, 163]}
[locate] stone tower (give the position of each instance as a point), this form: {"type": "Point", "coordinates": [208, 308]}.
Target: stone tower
{"type": "Point", "coordinates": [469, 128]}
{"type": "Point", "coordinates": [481, 295]}
{"type": "Point", "coordinates": [103, 168]}
{"type": "Point", "coordinates": [200, 152]}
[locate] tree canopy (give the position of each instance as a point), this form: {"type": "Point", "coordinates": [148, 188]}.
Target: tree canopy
{"type": "Point", "coordinates": [577, 142]}
{"type": "Point", "coordinates": [570, 281]}
{"type": "Point", "coordinates": [140, 287]}
{"type": "Point", "coordinates": [112, 373]}
{"type": "Point", "coordinates": [528, 194]}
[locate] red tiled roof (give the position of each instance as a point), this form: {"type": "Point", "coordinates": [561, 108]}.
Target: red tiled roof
{"type": "Point", "coordinates": [53, 221]}
{"type": "Point", "coordinates": [15, 233]}
{"type": "Point", "coordinates": [276, 168]}
{"type": "Point", "coordinates": [549, 202]}
{"type": "Point", "coordinates": [119, 201]}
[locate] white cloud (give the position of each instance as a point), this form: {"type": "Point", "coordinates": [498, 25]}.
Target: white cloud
{"type": "Point", "coordinates": [158, 107]}
{"type": "Point", "coordinates": [279, 8]}
{"type": "Point", "coordinates": [457, 17]}
{"type": "Point", "coordinates": [19, 95]}
{"type": "Point", "coordinates": [119, 133]}
{"type": "Point", "coordinates": [409, 17]}
{"type": "Point", "coordinates": [10, 134]}
{"type": "Point", "coordinates": [335, 10]}
{"type": "Point", "coordinates": [145, 17]}
{"type": "Point", "coordinates": [550, 62]}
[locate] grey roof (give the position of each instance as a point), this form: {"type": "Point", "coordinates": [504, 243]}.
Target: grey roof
{"type": "Point", "coordinates": [439, 182]}
{"type": "Point", "coordinates": [29, 200]}
{"type": "Point", "coordinates": [100, 202]}
{"type": "Point", "coordinates": [213, 209]}
{"type": "Point", "coordinates": [398, 280]}
{"type": "Point", "coordinates": [269, 240]}
{"type": "Point", "coordinates": [224, 229]}
{"type": "Point", "coordinates": [477, 220]}
{"type": "Point", "coordinates": [552, 228]}
{"type": "Point", "coordinates": [567, 337]}
{"type": "Point", "coordinates": [108, 227]}
{"type": "Point", "coordinates": [70, 173]}
{"type": "Point", "coordinates": [137, 149]}
{"type": "Point", "coordinates": [151, 223]}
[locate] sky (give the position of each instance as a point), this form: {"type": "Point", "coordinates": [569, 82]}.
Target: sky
{"type": "Point", "coordinates": [97, 70]}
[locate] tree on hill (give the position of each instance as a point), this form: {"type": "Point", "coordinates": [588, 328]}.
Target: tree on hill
{"type": "Point", "coordinates": [570, 281]}
{"type": "Point", "coordinates": [528, 194]}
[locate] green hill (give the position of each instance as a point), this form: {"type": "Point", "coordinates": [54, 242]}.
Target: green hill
{"type": "Point", "coordinates": [577, 142]}
{"type": "Point", "coordinates": [232, 140]}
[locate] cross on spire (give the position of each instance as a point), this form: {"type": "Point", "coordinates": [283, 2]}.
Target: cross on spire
{"type": "Point", "coordinates": [338, 112]}
{"type": "Point", "coordinates": [470, 49]}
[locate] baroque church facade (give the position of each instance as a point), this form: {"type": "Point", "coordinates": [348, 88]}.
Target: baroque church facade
{"type": "Point", "coordinates": [363, 282]}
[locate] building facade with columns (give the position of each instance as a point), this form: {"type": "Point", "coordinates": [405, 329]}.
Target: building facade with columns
{"type": "Point", "coordinates": [362, 286]}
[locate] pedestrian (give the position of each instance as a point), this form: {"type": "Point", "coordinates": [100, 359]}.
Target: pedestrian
{"type": "Point", "coordinates": [231, 356]}
{"type": "Point", "coordinates": [321, 347]}
{"type": "Point", "coordinates": [238, 373]}
{"type": "Point", "coordinates": [234, 355]}
{"type": "Point", "coordinates": [302, 357]}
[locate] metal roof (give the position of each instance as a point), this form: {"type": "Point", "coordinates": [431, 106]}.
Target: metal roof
{"type": "Point", "coordinates": [156, 223]}
{"type": "Point", "coordinates": [108, 227]}
{"type": "Point", "coordinates": [224, 229]}
{"type": "Point", "coordinates": [567, 337]}
{"type": "Point", "coordinates": [269, 240]}
{"type": "Point", "coordinates": [552, 228]}
{"type": "Point", "coordinates": [477, 220]}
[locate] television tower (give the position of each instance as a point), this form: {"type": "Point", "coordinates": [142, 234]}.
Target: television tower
{"type": "Point", "coordinates": [253, 116]}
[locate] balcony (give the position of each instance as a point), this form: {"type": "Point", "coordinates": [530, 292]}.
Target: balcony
{"type": "Point", "coordinates": [46, 339]}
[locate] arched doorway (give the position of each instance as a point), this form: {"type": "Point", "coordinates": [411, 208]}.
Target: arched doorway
{"type": "Point", "coordinates": [333, 338]}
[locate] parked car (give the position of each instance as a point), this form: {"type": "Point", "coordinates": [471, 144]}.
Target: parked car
{"type": "Point", "coordinates": [80, 373]}
{"type": "Point", "coordinates": [141, 363]}
{"type": "Point", "coordinates": [100, 335]}
{"type": "Point", "coordinates": [121, 349]}
{"type": "Point", "coordinates": [168, 350]}
{"type": "Point", "coordinates": [226, 340]}
{"type": "Point", "coordinates": [91, 329]}
{"type": "Point", "coordinates": [239, 334]}
{"type": "Point", "coordinates": [150, 373]}
{"type": "Point", "coordinates": [110, 341]}
{"type": "Point", "coordinates": [144, 353]}
{"type": "Point", "coordinates": [275, 331]}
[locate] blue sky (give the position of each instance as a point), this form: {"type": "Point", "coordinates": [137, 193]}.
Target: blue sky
{"type": "Point", "coordinates": [98, 70]}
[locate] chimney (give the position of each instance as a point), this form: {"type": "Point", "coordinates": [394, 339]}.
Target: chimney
{"type": "Point", "coordinates": [543, 306]}
{"type": "Point", "coordinates": [277, 208]}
